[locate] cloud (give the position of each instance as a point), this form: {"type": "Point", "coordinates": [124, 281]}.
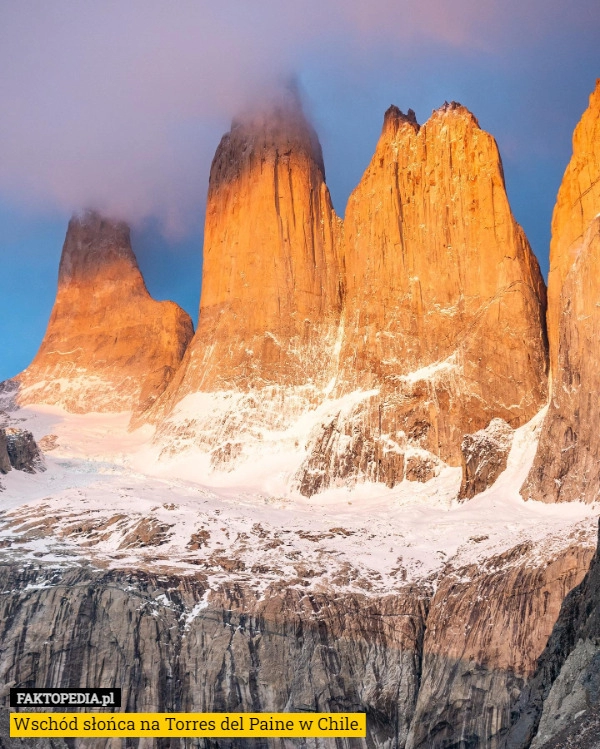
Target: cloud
{"type": "Point", "coordinates": [120, 105]}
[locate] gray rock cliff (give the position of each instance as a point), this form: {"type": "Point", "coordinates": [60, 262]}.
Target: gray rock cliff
{"type": "Point", "coordinates": [563, 696]}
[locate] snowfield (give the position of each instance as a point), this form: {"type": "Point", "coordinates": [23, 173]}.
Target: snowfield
{"type": "Point", "coordinates": [105, 498]}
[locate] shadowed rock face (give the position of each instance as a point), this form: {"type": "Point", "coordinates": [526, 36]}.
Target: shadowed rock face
{"type": "Point", "coordinates": [109, 346]}
{"type": "Point", "coordinates": [566, 466]}
{"type": "Point", "coordinates": [271, 286]}
{"type": "Point", "coordinates": [445, 304]}
{"type": "Point", "coordinates": [285, 652]}
{"type": "Point", "coordinates": [22, 450]}
{"type": "Point", "coordinates": [560, 706]}
{"type": "Point", "coordinates": [19, 450]}
{"type": "Point", "coordinates": [486, 627]}
{"type": "Point", "coordinates": [4, 457]}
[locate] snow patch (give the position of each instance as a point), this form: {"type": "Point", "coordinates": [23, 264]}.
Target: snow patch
{"type": "Point", "coordinates": [195, 612]}
{"type": "Point", "coordinates": [445, 367]}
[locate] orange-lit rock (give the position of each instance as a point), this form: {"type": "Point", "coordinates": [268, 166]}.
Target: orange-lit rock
{"type": "Point", "coordinates": [445, 304]}
{"type": "Point", "coordinates": [109, 346]}
{"type": "Point", "coordinates": [271, 285]}
{"type": "Point", "coordinates": [566, 463]}
{"type": "Point", "coordinates": [577, 203]}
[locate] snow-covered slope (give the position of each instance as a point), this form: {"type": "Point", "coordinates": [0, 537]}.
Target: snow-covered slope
{"type": "Point", "coordinates": [404, 603]}
{"type": "Point", "coordinates": [106, 495]}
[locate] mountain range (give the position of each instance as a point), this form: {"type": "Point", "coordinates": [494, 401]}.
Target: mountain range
{"type": "Point", "coordinates": [366, 482]}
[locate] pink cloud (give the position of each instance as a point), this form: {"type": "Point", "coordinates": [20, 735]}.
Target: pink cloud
{"type": "Point", "coordinates": [120, 104]}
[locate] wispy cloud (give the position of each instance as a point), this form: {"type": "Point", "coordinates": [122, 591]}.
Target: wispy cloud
{"type": "Point", "coordinates": [120, 105]}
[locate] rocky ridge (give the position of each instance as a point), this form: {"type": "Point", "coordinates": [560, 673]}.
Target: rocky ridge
{"type": "Point", "coordinates": [109, 346]}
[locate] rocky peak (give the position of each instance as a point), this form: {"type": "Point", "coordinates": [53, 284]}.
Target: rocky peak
{"type": "Point", "coordinates": [271, 283]}
{"type": "Point", "coordinates": [274, 128]}
{"type": "Point", "coordinates": [109, 346]}
{"type": "Point", "coordinates": [95, 244]}
{"type": "Point", "coordinates": [455, 108]}
{"type": "Point", "coordinates": [394, 119]}
{"type": "Point", "coordinates": [440, 283]}
{"type": "Point", "coordinates": [426, 238]}
{"type": "Point", "coordinates": [565, 466]}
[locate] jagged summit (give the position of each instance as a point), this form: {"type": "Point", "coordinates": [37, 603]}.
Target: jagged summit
{"type": "Point", "coordinates": [395, 117]}
{"type": "Point", "coordinates": [109, 346]}
{"type": "Point", "coordinates": [455, 107]}
{"type": "Point", "coordinates": [440, 284]}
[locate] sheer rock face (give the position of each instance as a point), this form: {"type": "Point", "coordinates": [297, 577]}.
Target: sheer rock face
{"type": "Point", "coordinates": [171, 651]}
{"type": "Point", "coordinates": [109, 346]}
{"type": "Point", "coordinates": [271, 287]}
{"type": "Point", "coordinates": [566, 464]}
{"type": "Point", "coordinates": [445, 304]}
{"type": "Point", "coordinates": [577, 203]}
{"type": "Point", "coordinates": [562, 699]}
{"type": "Point", "coordinates": [431, 669]}
{"type": "Point", "coordinates": [487, 625]}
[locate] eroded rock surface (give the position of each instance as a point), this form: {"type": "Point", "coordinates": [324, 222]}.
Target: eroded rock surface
{"type": "Point", "coordinates": [485, 455]}
{"type": "Point", "coordinates": [109, 346]}
{"type": "Point", "coordinates": [19, 450]}
{"type": "Point", "coordinates": [430, 669]}
{"type": "Point", "coordinates": [344, 453]}
{"type": "Point", "coordinates": [23, 452]}
{"type": "Point", "coordinates": [445, 304]}
{"type": "Point", "coordinates": [170, 648]}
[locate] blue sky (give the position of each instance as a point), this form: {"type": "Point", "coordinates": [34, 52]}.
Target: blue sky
{"type": "Point", "coordinates": [120, 106]}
